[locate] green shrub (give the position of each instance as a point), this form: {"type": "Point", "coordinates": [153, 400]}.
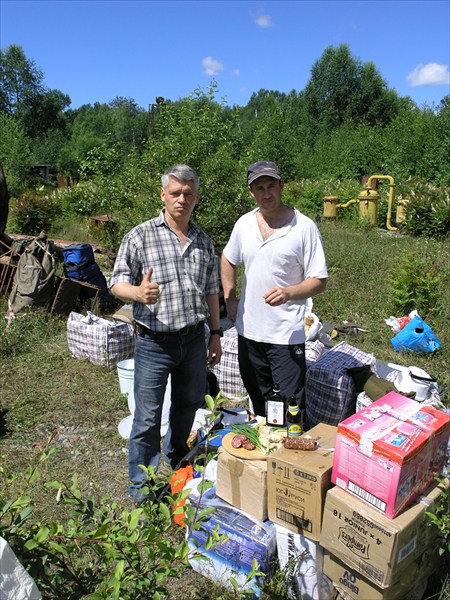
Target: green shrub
{"type": "Point", "coordinates": [77, 199]}
{"type": "Point", "coordinates": [33, 212]}
{"type": "Point", "coordinates": [427, 208]}
{"type": "Point", "coordinates": [440, 517]}
{"type": "Point", "coordinates": [101, 549]}
{"type": "Point", "coordinates": [413, 285]}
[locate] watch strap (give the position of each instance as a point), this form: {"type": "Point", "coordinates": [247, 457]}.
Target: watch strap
{"type": "Point", "coordinates": [216, 332]}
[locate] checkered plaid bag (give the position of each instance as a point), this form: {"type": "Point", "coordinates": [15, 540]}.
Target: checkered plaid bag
{"type": "Point", "coordinates": [227, 371]}
{"type": "Point", "coordinates": [99, 340]}
{"type": "Point", "coordinates": [330, 392]}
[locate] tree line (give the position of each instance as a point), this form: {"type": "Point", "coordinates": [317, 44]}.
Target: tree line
{"type": "Point", "coordinates": [346, 123]}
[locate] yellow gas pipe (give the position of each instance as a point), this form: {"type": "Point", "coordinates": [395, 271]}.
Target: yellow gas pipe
{"type": "Point", "coordinates": [391, 197]}
{"type": "Point", "coordinates": [368, 203]}
{"type": "Point", "coordinates": [331, 204]}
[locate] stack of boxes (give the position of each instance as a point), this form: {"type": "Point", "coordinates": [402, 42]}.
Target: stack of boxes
{"type": "Point", "coordinates": [348, 517]}
{"type": "Point", "coordinates": [374, 529]}
{"type": "Point", "coordinates": [368, 555]}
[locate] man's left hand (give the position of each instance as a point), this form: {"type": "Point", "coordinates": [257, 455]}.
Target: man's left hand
{"type": "Point", "coordinates": [276, 296]}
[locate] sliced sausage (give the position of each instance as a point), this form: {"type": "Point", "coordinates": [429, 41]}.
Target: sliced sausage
{"type": "Point", "coordinates": [238, 440]}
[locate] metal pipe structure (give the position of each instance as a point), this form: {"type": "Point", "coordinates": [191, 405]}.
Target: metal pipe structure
{"type": "Point", "coordinates": [391, 197]}
{"type": "Point", "coordinates": [368, 203]}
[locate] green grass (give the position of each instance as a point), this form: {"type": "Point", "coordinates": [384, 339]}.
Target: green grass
{"type": "Point", "coordinates": [361, 265]}
{"type": "Point", "coordinates": [44, 392]}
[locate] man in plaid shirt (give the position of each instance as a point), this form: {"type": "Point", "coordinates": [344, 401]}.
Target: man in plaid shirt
{"type": "Point", "coordinates": [167, 268]}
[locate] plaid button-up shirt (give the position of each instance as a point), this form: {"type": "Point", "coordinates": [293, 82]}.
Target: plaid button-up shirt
{"type": "Point", "coordinates": [185, 275]}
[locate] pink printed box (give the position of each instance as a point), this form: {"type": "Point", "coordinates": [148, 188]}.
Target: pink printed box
{"type": "Point", "coordinates": [390, 452]}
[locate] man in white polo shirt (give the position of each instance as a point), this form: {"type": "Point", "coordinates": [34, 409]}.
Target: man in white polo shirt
{"type": "Point", "coordinates": [282, 253]}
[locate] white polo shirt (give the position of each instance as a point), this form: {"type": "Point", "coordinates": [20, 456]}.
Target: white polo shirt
{"type": "Point", "coordinates": [291, 255]}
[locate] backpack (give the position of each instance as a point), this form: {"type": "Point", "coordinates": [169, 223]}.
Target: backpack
{"type": "Point", "coordinates": [79, 264]}
{"type": "Point", "coordinates": [35, 277]}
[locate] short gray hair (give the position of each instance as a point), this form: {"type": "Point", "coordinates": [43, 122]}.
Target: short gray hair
{"type": "Point", "coordinates": [182, 173]}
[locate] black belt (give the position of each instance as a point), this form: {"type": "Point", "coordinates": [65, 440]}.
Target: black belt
{"type": "Point", "coordinates": [142, 330]}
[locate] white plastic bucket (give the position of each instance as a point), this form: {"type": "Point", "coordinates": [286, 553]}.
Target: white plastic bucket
{"type": "Point", "coordinates": [125, 370]}
{"type": "Point", "coordinates": [125, 424]}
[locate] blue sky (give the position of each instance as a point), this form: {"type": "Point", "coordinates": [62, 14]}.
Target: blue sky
{"type": "Point", "coordinates": [96, 50]}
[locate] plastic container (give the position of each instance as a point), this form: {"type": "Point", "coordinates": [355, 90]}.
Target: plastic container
{"type": "Point", "coordinates": [125, 370]}
{"type": "Point", "coordinates": [125, 424]}
{"type": "Point", "coordinates": [413, 379]}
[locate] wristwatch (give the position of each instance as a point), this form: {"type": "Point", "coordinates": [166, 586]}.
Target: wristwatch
{"type": "Point", "coordinates": [216, 332]}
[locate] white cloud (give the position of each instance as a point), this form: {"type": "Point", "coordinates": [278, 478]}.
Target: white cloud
{"type": "Point", "coordinates": [235, 73]}
{"type": "Point", "coordinates": [263, 20]}
{"type": "Point", "coordinates": [430, 74]}
{"type": "Point", "coordinates": [211, 66]}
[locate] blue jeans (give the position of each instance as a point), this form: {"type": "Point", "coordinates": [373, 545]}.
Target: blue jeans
{"type": "Point", "coordinates": [184, 358]}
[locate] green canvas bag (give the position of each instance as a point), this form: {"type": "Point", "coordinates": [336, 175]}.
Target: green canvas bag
{"type": "Point", "coordinates": [35, 277]}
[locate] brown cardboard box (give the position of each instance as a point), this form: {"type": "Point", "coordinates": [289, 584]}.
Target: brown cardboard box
{"type": "Point", "coordinates": [242, 483]}
{"type": "Point", "coordinates": [377, 547]}
{"type": "Point", "coordinates": [297, 482]}
{"type": "Point", "coordinates": [411, 585]}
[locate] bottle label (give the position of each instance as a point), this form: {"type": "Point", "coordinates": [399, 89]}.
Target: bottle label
{"type": "Point", "coordinates": [294, 430]}
{"type": "Point", "coordinates": [275, 410]}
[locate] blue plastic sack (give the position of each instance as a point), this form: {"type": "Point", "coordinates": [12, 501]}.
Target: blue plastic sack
{"type": "Point", "coordinates": [416, 336]}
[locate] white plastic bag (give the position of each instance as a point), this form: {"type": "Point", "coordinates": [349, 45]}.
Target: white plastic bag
{"type": "Point", "coordinates": [15, 581]}
{"type": "Point", "coordinates": [313, 327]}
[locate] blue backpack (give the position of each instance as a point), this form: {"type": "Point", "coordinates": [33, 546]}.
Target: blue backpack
{"type": "Point", "coordinates": [79, 264]}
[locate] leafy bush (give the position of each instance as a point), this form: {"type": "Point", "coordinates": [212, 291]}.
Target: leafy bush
{"type": "Point", "coordinates": [428, 210]}
{"type": "Point", "coordinates": [413, 285]}
{"type": "Point", "coordinates": [77, 199]}
{"type": "Point", "coordinates": [15, 154]}
{"type": "Point", "coordinates": [103, 549]}
{"type": "Point", "coordinates": [33, 212]}
{"type": "Point", "coordinates": [440, 518]}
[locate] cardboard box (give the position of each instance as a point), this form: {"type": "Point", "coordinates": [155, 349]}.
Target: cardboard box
{"type": "Point", "coordinates": [297, 482]}
{"type": "Point", "coordinates": [351, 584]}
{"type": "Point", "coordinates": [390, 452]}
{"type": "Point", "coordinates": [248, 539]}
{"type": "Point", "coordinates": [301, 561]}
{"type": "Point", "coordinates": [242, 483]}
{"type": "Point", "coordinates": [377, 547]}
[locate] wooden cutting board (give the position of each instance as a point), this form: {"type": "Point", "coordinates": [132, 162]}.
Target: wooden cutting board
{"type": "Point", "coordinates": [255, 454]}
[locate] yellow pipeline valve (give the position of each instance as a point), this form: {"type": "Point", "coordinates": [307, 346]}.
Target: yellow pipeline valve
{"type": "Point", "coordinates": [330, 204]}
{"type": "Point", "coordinates": [368, 206]}
{"type": "Point", "coordinates": [402, 207]}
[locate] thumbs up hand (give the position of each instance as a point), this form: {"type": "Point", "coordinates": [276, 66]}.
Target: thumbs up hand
{"type": "Point", "coordinates": [148, 275]}
{"type": "Point", "coordinates": [148, 291]}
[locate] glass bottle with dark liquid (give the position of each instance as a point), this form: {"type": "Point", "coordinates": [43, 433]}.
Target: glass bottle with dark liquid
{"type": "Point", "coordinates": [294, 418]}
